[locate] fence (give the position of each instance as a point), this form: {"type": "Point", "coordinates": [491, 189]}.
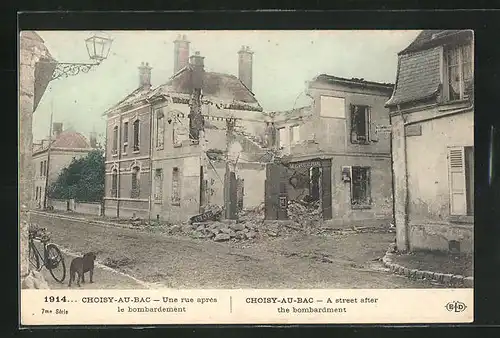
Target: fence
{"type": "Point", "coordinates": [79, 207]}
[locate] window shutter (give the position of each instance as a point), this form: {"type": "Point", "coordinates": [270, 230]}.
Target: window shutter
{"type": "Point", "coordinates": [354, 137]}
{"type": "Point", "coordinates": [456, 169]}
{"type": "Point", "coordinates": [372, 126]}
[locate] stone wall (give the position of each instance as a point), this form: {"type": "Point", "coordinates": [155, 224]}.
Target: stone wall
{"type": "Point", "coordinates": [32, 49]}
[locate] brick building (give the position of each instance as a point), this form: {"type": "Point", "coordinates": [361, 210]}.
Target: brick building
{"type": "Point", "coordinates": [169, 147]}
{"type": "Point", "coordinates": [334, 152]}
{"type": "Point", "coordinates": [65, 146]}
{"type": "Point", "coordinates": [432, 118]}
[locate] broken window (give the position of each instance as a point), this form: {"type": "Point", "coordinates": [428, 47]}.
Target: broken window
{"type": "Point", "coordinates": [360, 124]}
{"type": "Point", "coordinates": [136, 135]}
{"type": "Point", "coordinates": [114, 183]}
{"type": "Point", "coordinates": [176, 197]}
{"type": "Point", "coordinates": [160, 129]}
{"type": "Point", "coordinates": [282, 137]}
{"type": "Point", "coordinates": [461, 178]}
{"type": "Point", "coordinates": [114, 150]}
{"type": "Point", "coordinates": [158, 185]}
{"type": "Point", "coordinates": [135, 190]}
{"type": "Point", "coordinates": [125, 137]}
{"type": "Point", "coordinates": [360, 187]}
{"type": "Point", "coordinates": [295, 134]}
{"type": "Point", "coordinates": [195, 117]}
{"type": "Point", "coordinates": [459, 70]}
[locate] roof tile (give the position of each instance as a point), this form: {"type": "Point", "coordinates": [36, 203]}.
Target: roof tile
{"type": "Point", "coordinates": [418, 76]}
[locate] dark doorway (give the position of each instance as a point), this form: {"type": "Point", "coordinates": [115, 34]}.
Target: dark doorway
{"type": "Point", "coordinates": [314, 188]}
{"type": "Point", "coordinates": [298, 182]}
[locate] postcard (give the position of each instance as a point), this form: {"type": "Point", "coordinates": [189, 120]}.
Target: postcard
{"type": "Point", "coordinates": [246, 177]}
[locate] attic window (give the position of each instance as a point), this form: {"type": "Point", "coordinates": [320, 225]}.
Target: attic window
{"type": "Point", "coordinates": [459, 72]}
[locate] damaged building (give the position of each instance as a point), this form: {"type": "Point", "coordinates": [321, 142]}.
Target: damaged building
{"type": "Point", "coordinates": [432, 118]}
{"type": "Point", "coordinates": [333, 155]}
{"type": "Point", "coordinates": [176, 150]}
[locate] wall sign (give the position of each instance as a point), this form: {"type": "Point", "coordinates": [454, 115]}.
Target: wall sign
{"type": "Point", "coordinates": [413, 130]}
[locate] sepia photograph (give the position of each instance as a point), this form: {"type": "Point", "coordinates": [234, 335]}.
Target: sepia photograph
{"type": "Point", "coordinates": [321, 159]}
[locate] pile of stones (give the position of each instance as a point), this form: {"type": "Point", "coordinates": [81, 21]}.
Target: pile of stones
{"type": "Point", "coordinates": [222, 231]}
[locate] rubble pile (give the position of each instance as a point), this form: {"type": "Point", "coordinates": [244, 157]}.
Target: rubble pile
{"type": "Point", "coordinates": [220, 231]}
{"type": "Point", "coordinates": [305, 214]}
{"type": "Point", "coordinates": [252, 215]}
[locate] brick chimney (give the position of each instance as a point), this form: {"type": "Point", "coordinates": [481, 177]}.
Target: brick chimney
{"type": "Point", "coordinates": [144, 75]}
{"type": "Point", "coordinates": [57, 129]}
{"type": "Point", "coordinates": [181, 53]}
{"type": "Point", "coordinates": [198, 68]}
{"type": "Point", "coordinates": [245, 60]}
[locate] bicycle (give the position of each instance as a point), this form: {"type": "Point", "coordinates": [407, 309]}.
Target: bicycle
{"type": "Point", "coordinates": [52, 257]}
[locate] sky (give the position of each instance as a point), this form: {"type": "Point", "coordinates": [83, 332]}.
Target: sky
{"type": "Point", "coordinates": [283, 62]}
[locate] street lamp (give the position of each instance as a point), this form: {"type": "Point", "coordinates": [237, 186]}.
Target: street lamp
{"type": "Point", "coordinates": [98, 47]}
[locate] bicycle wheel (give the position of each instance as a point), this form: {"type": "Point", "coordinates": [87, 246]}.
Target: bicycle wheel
{"type": "Point", "coordinates": [33, 257]}
{"type": "Point", "coordinates": [55, 263]}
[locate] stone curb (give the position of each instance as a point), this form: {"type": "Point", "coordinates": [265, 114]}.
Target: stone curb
{"type": "Point", "coordinates": [438, 277]}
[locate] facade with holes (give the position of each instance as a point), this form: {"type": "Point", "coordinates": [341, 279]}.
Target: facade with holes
{"type": "Point", "coordinates": [189, 169]}
{"type": "Point", "coordinates": [335, 153]}
{"type": "Point", "coordinates": [160, 164]}
{"type": "Point", "coordinates": [432, 118]}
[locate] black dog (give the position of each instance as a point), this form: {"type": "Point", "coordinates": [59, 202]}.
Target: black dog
{"type": "Point", "coordinates": [81, 265]}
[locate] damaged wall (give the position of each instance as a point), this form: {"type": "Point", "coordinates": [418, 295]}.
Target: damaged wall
{"type": "Point", "coordinates": [333, 133]}
{"type": "Point", "coordinates": [380, 208]}
{"type": "Point", "coordinates": [428, 182]}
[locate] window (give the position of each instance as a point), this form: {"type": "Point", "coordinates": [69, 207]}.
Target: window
{"type": "Point", "coordinates": [459, 71]}
{"type": "Point", "coordinates": [114, 183]}
{"type": "Point", "coordinates": [114, 150]}
{"type": "Point", "coordinates": [179, 130]}
{"type": "Point", "coordinates": [176, 196]}
{"type": "Point", "coordinates": [295, 134]}
{"type": "Point", "coordinates": [461, 180]}
{"type": "Point", "coordinates": [45, 168]}
{"type": "Point", "coordinates": [160, 129]}
{"type": "Point", "coordinates": [125, 137]}
{"type": "Point", "coordinates": [282, 137]}
{"type": "Point", "coordinates": [135, 191]}
{"type": "Point", "coordinates": [41, 168]}
{"type": "Point", "coordinates": [36, 194]}
{"type": "Point", "coordinates": [360, 124]}
{"type": "Point", "coordinates": [158, 196]}
{"type": "Point", "coordinates": [136, 135]}
{"type": "Point", "coordinates": [332, 107]}
{"type": "Point", "coordinates": [360, 187]}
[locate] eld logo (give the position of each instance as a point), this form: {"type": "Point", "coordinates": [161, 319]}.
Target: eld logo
{"type": "Point", "coordinates": [456, 306]}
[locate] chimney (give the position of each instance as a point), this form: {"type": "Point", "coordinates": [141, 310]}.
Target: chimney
{"type": "Point", "coordinates": [93, 139]}
{"type": "Point", "coordinates": [144, 75]}
{"type": "Point", "coordinates": [181, 53]}
{"type": "Point", "coordinates": [245, 60]}
{"type": "Point", "coordinates": [57, 128]}
{"type": "Point", "coordinates": [198, 68]}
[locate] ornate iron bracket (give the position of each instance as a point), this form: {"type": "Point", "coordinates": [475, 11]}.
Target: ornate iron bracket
{"type": "Point", "coordinates": [71, 69]}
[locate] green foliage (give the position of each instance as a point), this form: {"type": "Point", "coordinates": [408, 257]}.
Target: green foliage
{"type": "Point", "coordinates": [82, 180]}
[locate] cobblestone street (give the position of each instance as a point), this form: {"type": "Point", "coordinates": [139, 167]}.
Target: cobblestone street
{"type": "Point", "coordinates": [300, 261]}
